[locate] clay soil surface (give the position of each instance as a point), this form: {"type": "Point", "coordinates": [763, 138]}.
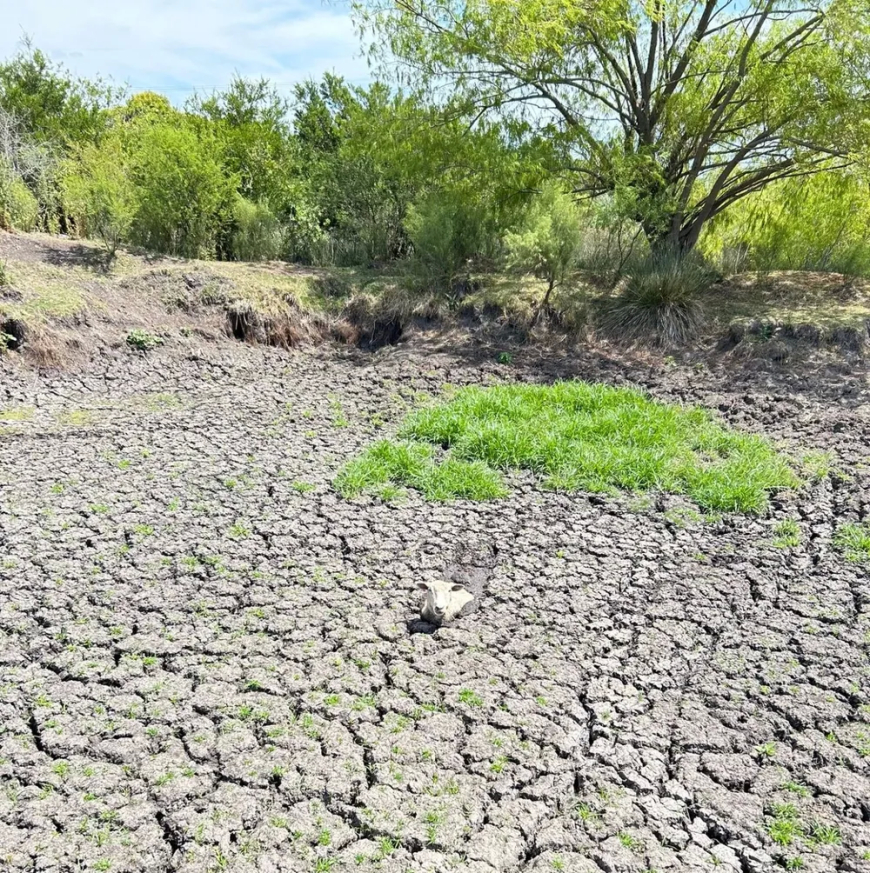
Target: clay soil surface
{"type": "Point", "coordinates": [208, 659]}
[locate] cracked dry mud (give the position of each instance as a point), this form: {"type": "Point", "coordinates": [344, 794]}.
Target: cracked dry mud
{"type": "Point", "coordinates": [207, 663]}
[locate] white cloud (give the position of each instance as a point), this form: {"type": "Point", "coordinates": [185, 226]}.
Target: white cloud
{"type": "Point", "coordinates": [177, 47]}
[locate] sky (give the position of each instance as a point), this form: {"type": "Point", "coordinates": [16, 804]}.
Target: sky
{"type": "Point", "coordinates": [177, 48]}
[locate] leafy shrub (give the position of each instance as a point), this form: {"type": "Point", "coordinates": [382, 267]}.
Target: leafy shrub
{"type": "Point", "coordinates": [660, 298]}
{"type": "Point", "coordinates": [19, 208]}
{"type": "Point", "coordinates": [547, 242]}
{"type": "Point", "coordinates": [257, 234]}
{"type": "Point", "coordinates": [143, 340]}
{"type": "Point", "coordinates": [819, 223]}
{"type": "Point", "coordinates": [183, 195]}
{"type": "Point", "coordinates": [448, 229]}
{"type": "Point", "coordinates": [99, 193]}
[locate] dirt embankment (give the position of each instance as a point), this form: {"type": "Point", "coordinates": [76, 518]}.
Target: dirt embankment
{"type": "Point", "coordinates": [60, 302]}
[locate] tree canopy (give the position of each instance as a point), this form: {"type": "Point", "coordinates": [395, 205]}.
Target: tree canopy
{"type": "Point", "coordinates": [677, 108]}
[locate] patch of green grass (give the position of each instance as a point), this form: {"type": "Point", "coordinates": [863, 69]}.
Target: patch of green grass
{"type": "Point", "coordinates": [302, 487]}
{"type": "Point", "coordinates": [586, 813]}
{"type": "Point", "coordinates": [240, 530]}
{"type": "Point", "coordinates": [824, 835]}
{"type": "Point", "coordinates": [413, 465]}
{"type": "Point", "coordinates": [784, 827]}
{"type": "Point", "coordinates": [574, 436]}
{"type": "Point", "coordinates": [816, 464]}
{"type": "Point", "coordinates": [77, 417]}
{"type": "Point", "coordinates": [787, 534]}
{"type": "Point", "coordinates": [469, 698]}
{"type": "Point", "coordinates": [629, 841]}
{"type": "Point", "coordinates": [387, 846]}
{"type": "Point", "coordinates": [853, 540]}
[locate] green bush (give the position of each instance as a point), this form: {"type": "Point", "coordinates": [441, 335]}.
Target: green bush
{"type": "Point", "coordinates": [448, 230]}
{"type": "Point", "coordinates": [184, 198]}
{"type": "Point", "coordinates": [660, 299]}
{"type": "Point", "coordinates": [547, 242]}
{"type": "Point", "coordinates": [819, 223]}
{"type": "Point", "coordinates": [257, 234]}
{"type": "Point", "coordinates": [142, 340]}
{"type": "Point", "coordinates": [98, 193]}
{"type": "Point", "coordinates": [19, 208]}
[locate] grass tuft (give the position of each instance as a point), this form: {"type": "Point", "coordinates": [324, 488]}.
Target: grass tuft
{"type": "Point", "coordinates": [660, 298]}
{"type": "Point", "coordinates": [574, 436]}
{"type": "Point", "coordinates": [854, 541]}
{"type": "Point", "coordinates": [788, 534]}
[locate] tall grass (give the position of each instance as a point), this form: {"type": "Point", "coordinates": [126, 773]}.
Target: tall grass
{"type": "Point", "coordinates": [660, 298]}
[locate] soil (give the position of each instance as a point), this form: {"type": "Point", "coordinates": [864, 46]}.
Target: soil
{"type": "Point", "coordinates": [210, 661]}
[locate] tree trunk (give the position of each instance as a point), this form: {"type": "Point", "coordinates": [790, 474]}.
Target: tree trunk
{"type": "Point", "coordinates": [544, 304]}
{"type": "Point", "coordinates": [675, 243]}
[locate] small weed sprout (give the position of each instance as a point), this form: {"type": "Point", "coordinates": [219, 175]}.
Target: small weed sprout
{"type": "Point", "coordinates": [784, 827]}
{"type": "Point", "coordinates": [142, 340]}
{"type": "Point", "coordinates": [629, 841]}
{"type": "Point", "coordinates": [469, 698]}
{"type": "Point", "coordinates": [824, 835]}
{"type": "Point", "coordinates": [796, 788]}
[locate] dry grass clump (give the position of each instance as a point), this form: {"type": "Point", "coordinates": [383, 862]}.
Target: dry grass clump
{"type": "Point", "coordinates": [660, 299]}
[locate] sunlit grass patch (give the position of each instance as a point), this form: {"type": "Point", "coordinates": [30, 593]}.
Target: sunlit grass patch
{"type": "Point", "coordinates": [573, 436]}
{"type": "Point", "coordinates": [413, 465]}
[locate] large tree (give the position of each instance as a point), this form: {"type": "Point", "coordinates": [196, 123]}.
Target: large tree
{"type": "Point", "coordinates": [677, 108]}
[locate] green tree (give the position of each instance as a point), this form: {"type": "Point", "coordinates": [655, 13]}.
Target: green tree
{"type": "Point", "coordinates": [51, 104]}
{"type": "Point", "coordinates": [369, 153]}
{"type": "Point", "coordinates": [184, 197]}
{"type": "Point", "coordinates": [677, 108]}
{"type": "Point", "coordinates": [251, 119]}
{"type": "Point", "coordinates": [99, 193]}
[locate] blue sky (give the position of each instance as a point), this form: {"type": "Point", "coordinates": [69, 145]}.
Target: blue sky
{"type": "Point", "coordinates": [192, 45]}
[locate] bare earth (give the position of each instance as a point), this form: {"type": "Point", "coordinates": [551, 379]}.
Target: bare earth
{"type": "Point", "coordinates": [206, 666]}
